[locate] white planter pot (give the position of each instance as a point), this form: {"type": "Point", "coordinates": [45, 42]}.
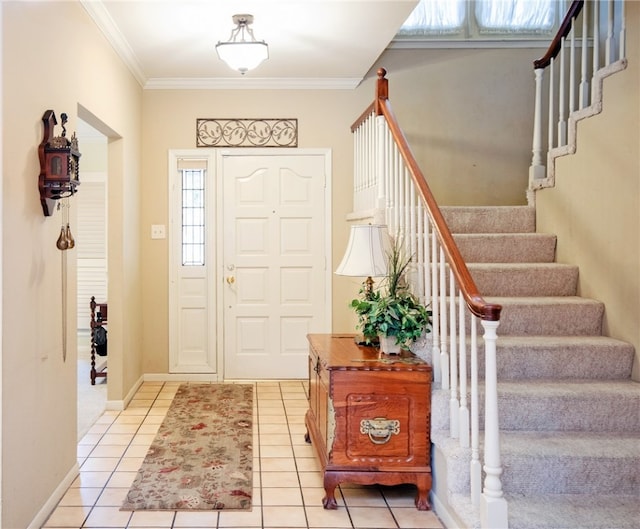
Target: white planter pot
{"type": "Point", "coordinates": [388, 345]}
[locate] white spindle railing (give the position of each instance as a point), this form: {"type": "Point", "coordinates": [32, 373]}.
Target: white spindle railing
{"type": "Point", "coordinates": [441, 280]}
{"type": "Point", "coordinates": [581, 78]}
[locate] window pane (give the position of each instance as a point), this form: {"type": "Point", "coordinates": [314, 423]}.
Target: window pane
{"type": "Point", "coordinates": [435, 16]}
{"type": "Point", "coordinates": [193, 215]}
{"type": "Point", "coordinates": [515, 15]}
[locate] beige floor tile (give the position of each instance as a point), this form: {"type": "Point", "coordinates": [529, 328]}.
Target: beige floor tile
{"type": "Point", "coordinates": [311, 479]}
{"type": "Point", "coordinates": [91, 479]}
{"type": "Point", "coordinates": [116, 439]}
{"type": "Point", "coordinates": [321, 517]}
{"type": "Point", "coordinates": [90, 439]}
{"type": "Point", "coordinates": [308, 464]}
{"type": "Point", "coordinates": [121, 479]}
{"type": "Point", "coordinates": [142, 439]}
{"type": "Point", "coordinates": [305, 450]}
{"type": "Point", "coordinates": [279, 479]}
{"type": "Point", "coordinates": [80, 496]}
{"type": "Point", "coordinates": [152, 519]}
{"type": "Point", "coordinates": [100, 464]}
{"type": "Point", "coordinates": [68, 517]}
{"type": "Point", "coordinates": [278, 464]}
{"type": "Point", "coordinates": [274, 439]}
{"type": "Point", "coordinates": [84, 450]}
{"type": "Point", "coordinates": [108, 451]}
{"type": "Point", "coordinates": [410, 517]}
{"type": "Point", "coordinates": [371, 517]}
{"type": "Point", "coordinates": [313, 496]}
{"type": "Point", "coordinates": [277, 516]}
{"type": "Point", "coordinates": [108, 517]}
{"type": "Point", "coordinates": [129, 419]}
{"type": "Point", "coordinates": [136, 451]}
{"type": "Point", "coordinates": [120, 428]}
{"type": "Point", "coordinates": [290, 496]}
{"type": "Point", "coordinates": [112, 496]}
{"type": "Point", "coordinates": [363, 497]}
{"type": "Point", "coordinates": [243, 519]}
{"type": "Point", "coordinates": [129, 464]}
{"type": "Point", "coordinates": [400, 496]}
{"type": "Point", "coordinates": [276, 451]}
{"type": "Point", "coordinates": [266, 420]}
{"type": "Point", "coordinates": [196, 519]}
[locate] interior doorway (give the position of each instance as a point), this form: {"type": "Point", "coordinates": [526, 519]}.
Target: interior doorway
{"type": "Point", "coordinates": [90, 234]}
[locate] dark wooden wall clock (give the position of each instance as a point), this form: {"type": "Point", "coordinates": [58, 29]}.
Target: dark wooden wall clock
{"type": "Point", "coordinates": [59, 163]}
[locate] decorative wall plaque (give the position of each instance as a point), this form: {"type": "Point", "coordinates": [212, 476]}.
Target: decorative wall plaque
{"type": "Point", "coordinates": [246, 132]}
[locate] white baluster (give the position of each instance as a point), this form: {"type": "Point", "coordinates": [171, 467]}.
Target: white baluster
{"type": "Point", "coordinates": [551, 117]}
{"type": "Point", "coordinates": [610, 42]}
{"type": "Point", "coordinates": [444, 352]}
{"type": "Point", "coordinates": [439, 374]}
{"type": "Point", "coordinates": [623, 34]}
{"type": "Point", "coordinates": [536, 171]}
{"type": "Point", "coordinates": [454, 405]}
{"type": "Point", "coordinates": [584, 82]}
{"type": "Point", "coordinates": [572, 67]}
{"type": "Point", "coordinates": [463, 412]}
{"type": "Point", "coordinates": [493, 506]}
{"type": "Point", "coordinates": [475, 465]}
{"type": "Point", "coordinates": [562, 117]}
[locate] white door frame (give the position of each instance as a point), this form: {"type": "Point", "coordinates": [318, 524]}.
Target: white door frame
{"type": "Point", "coordinates": [215, 237]}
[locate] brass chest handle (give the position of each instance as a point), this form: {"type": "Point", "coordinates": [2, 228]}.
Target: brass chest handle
{"type": "Point", "coordinates": [380, 429]}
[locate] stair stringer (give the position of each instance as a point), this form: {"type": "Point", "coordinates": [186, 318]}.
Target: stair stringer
{"type": "Point", "coordinates": [572, 128]}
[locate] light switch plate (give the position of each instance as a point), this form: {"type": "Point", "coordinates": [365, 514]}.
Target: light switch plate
{"type": "Point", "coordinates": [158, 231]}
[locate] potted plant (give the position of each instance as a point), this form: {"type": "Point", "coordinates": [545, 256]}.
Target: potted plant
{"type": "Point", "coordinates": [392, 313]}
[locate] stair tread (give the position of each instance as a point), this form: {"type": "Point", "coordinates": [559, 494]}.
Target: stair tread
{"type": "Point", "coordinates": [572, 444]}
{"type": "Point", "coordinates": [560, 511]}
{"type": "Point", "coordinates": [586, 511]}
{"type": "Point", "coordinates": [561, 341]}
{"type": "Point", "coordinates": [576, 386]}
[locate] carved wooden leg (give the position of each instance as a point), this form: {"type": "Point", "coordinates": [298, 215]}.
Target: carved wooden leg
{"type": "Point", "coordinates": [330, 483]}
{"type": "Point", "coordinates": [422, 497]}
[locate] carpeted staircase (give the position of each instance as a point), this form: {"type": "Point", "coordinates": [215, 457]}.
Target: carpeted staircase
{"type": "Point", "coordinates": [569, 411]}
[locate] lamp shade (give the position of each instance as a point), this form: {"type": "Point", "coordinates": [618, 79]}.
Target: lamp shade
{"type": "Point", "coordinates": [366, 254]}
{"type": "Point", "coordinates": [243, 56]}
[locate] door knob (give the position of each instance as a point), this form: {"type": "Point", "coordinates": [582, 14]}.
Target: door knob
{"type": "Point", "coordinates": [231, 280]}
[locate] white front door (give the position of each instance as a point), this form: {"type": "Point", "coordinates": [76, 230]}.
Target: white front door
{"type": "Point", "coordinates": [276, 282]}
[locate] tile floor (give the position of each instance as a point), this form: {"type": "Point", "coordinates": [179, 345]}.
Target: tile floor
{"type": "Point", "coordinates": [288, 484]}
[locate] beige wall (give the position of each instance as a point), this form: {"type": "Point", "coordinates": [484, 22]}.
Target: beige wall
{"type": "Point", "coordinates": [54, 58]}
{"type": "Point", "coordinates": [595, 206]}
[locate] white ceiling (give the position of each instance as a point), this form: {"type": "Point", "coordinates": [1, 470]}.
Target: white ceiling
{"type": "Point", "coordinates": [312, 43]}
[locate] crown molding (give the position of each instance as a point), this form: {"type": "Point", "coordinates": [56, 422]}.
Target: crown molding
{"type": "Point", "coordinates": [227, 83]}
{"type": "Point", "coordinates": [105, 23]}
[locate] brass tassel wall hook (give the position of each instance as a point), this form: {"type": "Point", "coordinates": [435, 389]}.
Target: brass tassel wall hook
{"type": "Point", "coordinates": [70, 240]}
{"type": "Point", "coordinates": [62, 243]}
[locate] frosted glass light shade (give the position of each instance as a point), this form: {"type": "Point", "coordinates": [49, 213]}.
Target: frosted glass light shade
{"type": "Point", "coordinates": [366, 254]}
{"type": "Point", "coordinates": [243, 56]}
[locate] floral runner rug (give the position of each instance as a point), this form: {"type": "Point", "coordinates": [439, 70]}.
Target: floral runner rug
{"type": "Point", "coordinates": [202, 456]}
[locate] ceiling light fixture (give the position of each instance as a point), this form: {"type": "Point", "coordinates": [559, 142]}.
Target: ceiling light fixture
{"type": "Point", "coordinates": [240, 53]}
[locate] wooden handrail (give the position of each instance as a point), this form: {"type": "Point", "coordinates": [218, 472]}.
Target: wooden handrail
{"type": "Point", "coordinates": [563, 31]}
{"type": "Point", "coordinates": [476, 304]}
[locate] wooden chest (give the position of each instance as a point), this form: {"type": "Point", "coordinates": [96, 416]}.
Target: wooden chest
{"type": "Point", "coordinates": [369, 416]}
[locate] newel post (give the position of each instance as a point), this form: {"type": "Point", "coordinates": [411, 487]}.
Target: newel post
{"type": "Point", "coordinates": [382, 91]}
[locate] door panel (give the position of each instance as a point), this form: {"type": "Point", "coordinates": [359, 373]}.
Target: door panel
{"type": "Point", "coordinates": [275, 239]}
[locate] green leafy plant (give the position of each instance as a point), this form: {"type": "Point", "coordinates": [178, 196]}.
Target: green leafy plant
{"type": "Point", "coordinates": [392, 310]}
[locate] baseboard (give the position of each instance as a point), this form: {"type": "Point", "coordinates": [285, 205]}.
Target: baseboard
{"type": "Point", "coordinates": [119, 405]}
{"type": "Point", "coordinates": [443, 513]}
{"type": "Point", "coordinates": [55, 498]}
{"type": "Point", "coordinates": [181, 377]}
